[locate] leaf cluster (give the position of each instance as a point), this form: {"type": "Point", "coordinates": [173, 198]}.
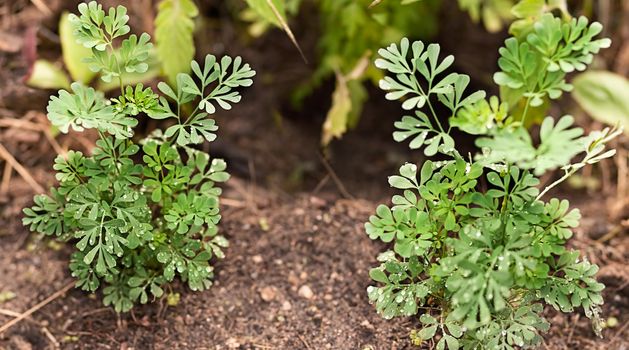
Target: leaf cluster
{"type": "Point", "coordinates": [139, 214]}
{"type": "Point", "coordinates": [476, 250]}
{"type": "Point", "coordinates": [533, 66]}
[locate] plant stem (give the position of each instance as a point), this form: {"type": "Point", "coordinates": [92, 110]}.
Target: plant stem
{"type": "Point", "coordinates": [427, 96]}
{"type": "Point", "coordinates": [526, 109]}
{"type": "Point", "coordinates": [562, 179]}
{"type": "Point", "coordinates": [434, 114]}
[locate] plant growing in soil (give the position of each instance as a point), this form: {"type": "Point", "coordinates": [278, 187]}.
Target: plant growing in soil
{"type": "Point", "coordinates": [174, 49]}
{"type": "Point", "coordinates": [478, 250]}
{"type": "Point", "coordinates": [138, 214]}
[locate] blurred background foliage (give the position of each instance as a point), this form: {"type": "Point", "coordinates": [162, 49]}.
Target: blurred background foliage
{"type": "Point", "coordinates": [349, 34]}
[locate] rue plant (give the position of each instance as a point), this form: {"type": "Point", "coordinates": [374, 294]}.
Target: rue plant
{"type": "Point", "coordinates": [477, 248]}
{"type": "Point", "coordinates": [139, 214]}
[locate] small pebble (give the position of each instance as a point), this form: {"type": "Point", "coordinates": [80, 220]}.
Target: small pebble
{"type": "Point", "coordinates": [267, 294]}
{"type": "Point", "coordinates": [232, 343]}
{"type": "Point", "coordinates": [305, 292]}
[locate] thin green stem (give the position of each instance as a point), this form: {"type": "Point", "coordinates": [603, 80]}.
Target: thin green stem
{"type": "Point", "coordinates": [434, 114]}
{"type": "Point", "coordinates": [560, 180]}
{"type": "Point", "coordinates": [421, 91]}
{"type": "Point", "coordinates": [526, 109]}
{"type": "Point", "coordinates": [113, 54]}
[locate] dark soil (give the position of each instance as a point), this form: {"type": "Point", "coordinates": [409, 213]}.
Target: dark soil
{"type": "Point", "coordinates": [260, 300]}
{"type": "Point", "coordinates": [294, 219]}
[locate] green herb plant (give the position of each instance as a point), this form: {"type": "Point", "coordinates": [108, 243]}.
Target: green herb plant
{"type": "Point", "coordinates": [477, 248]}
{"type": "Point", "coordinates": [141, 214]}
{"type": "Point", "coordinates": [171, 55]}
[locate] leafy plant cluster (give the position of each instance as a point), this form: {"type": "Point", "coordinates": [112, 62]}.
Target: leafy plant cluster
{"type": "Point", "coordinates": [477, 250]}
{"type": "Point", "coordinates": [172, 53]}
{"type": "Point", "coordinates": [139, 214]}
{"type": "Point", "coordinates": [602, 94]}
{"type": "Point", "coordinates": [352, 30]}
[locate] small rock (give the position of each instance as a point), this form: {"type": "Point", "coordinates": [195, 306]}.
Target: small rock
{"type": "Point", "coordinates": [286, 306]}
{"type": "Point", "coordinates": [328, 297]}
{"type": "Point", "coordinates": [317, 202]}
{"type": "Point", "coordinates": [367, 325]}
{"type": "Point", "coordinates": [232, 343]}
{"type": "Point", "coordinates": [293, 279]}
{"type": "Point", "coordinates": [10, 42]}
{"type": "Point", "coordinates": [267, 294]}
{"type": "Point", "coordinates": [305, 292]}
{"type": "Point", "coordinates": [257, 259]}
{"type": "Point", "coordinates": [189, 320]}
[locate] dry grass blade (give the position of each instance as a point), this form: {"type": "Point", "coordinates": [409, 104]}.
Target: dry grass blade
{"type": "Point", "coordinates": [41, 6]}
{"type": "Point", "coordinates": [8, 157]}
{"type": "Point", "coordinates": [9, 313]}
{"type": "Point", "coordinates": [286, 28]}
{"type": "Point", "coordinates": [28, 125]}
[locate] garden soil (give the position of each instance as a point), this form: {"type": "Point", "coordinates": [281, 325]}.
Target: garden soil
{"type": "Point", "coordinates": [296, 272]}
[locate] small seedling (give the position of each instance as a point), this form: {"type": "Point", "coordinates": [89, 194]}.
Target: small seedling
{"type": "Point", "coordinates": [138, 214]}
{"type": "Point", "coordinates": [477, 248]}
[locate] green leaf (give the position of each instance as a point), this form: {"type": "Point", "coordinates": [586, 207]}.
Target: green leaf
{"type": "Point", "coordinates": [528, 8]}
{"type": "Point", "coordinates": [74, 53]}
{"type": "Point", "coordinates": [427, 319]}
{"type": "Point", "coordinates": [560, 142]}
{"type": "Point", "coordinates": [347, 100]}
{"type": "Point", "coordinates": [84, 109]}
{"type": "Point", "coordinates": [262, 8]}
{"type": "Point", "coordinates": [603, 95]}
{"type": "Point", "coordinates": [336, 120]}
{"type": "Point", "coordinates": [378, 275]}
{"type": "Point", "coordinates": [428, 332]}
{"type": "Point", "coordinates": [46, 75]}
{"type": "Point", "coordinates": [174, 27]}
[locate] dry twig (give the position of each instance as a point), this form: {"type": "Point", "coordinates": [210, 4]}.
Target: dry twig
{"type": "Point", "coordinates": [8, 157]}
{"type": "Point", "coordinates": [30, 311]}
{"type": "Point", "coordinates": [335, 178]}
{"type": "Point", "coordinates": [41, 6]}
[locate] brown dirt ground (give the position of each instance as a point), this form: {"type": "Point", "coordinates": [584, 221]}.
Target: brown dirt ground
{"type": "Point", "coordinates": [313, 239]}
{"type": "Point", "coordinates": [307, 243]}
